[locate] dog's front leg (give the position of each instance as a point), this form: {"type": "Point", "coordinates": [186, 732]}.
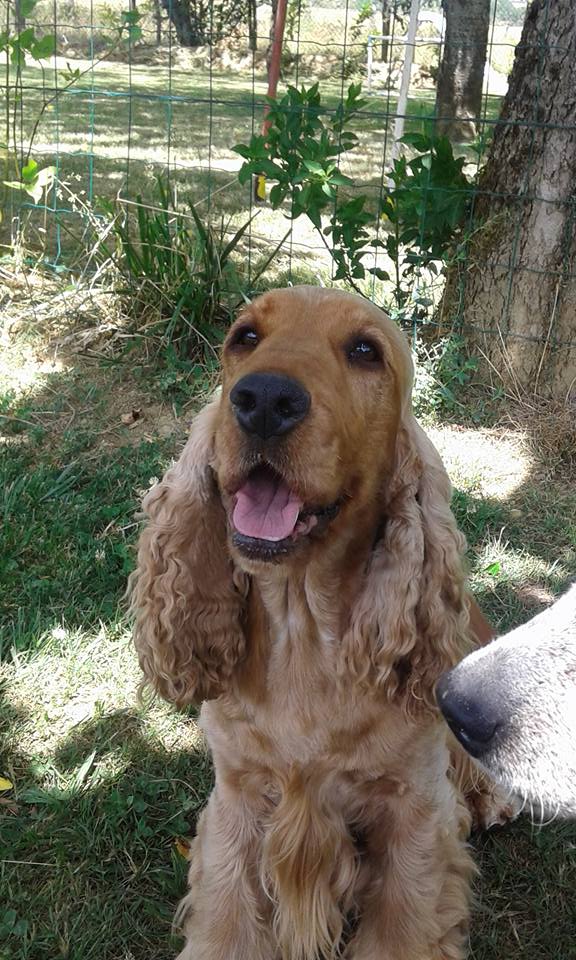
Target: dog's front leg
{"type": "Point", "coordinates": [225, 915]}
{"type": "Point", "coordinates": [416, 902]}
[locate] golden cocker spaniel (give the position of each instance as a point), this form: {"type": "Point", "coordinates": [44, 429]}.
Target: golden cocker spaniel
{"type": "Point", "coordinates": [301, 573]}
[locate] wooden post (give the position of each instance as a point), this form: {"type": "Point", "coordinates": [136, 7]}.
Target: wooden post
{"type": "Point", "coordinates": [405, 81]}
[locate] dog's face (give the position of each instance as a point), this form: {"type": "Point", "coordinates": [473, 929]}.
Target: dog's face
{"type": "Point", "coordinates": [512, 705]}
{"type": "Point", "coordinates": [314, 385]}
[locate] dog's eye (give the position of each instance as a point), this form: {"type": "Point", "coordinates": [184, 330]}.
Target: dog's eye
{"type": "Point", "coordinates": [363, 351]}
{"type": "Point", "coordinates": [245, 337]}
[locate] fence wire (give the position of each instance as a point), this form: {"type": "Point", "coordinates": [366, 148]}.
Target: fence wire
{"type": "Point", "coordinates": [124, 100]}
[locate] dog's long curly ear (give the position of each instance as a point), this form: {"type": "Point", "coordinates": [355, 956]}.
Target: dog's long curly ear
{"type": "Point", "coordinates": [187, 597]}
{"type": "Point", "coordinates": [410, 622]}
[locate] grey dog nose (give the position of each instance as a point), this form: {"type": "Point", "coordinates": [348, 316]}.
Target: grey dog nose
{"type": "Point", "coordinates": [474, 713]}
{"type": "Point", "coordinates": [269, 404]}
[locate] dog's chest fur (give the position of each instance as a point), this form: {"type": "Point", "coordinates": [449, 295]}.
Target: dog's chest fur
{"type": "Point", "coordinates": [293, 717]}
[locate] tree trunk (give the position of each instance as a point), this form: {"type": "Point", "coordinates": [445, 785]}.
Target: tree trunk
{"type": "Point", "coordinates": [157, 9]}
{"type": "Point", "coordinates": [179, 14]}
{"type": "Point", "coordinates": [252, 26]}
{"type": "Point", "coordinates": [461, 73]}
{"type": "Point", "coordinates": [19, 18]}
{"type": "Point", "coordinates": [519, 297]}
{"type": "Point", "coordinates": [386, 29]}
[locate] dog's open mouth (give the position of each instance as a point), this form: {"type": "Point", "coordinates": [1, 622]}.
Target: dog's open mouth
{"type": "Point", "coordinates": [269, 519]}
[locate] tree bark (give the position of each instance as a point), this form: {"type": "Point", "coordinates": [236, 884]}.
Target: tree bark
{"type": "Point", "coordinates": [252, 26]}
{"type": "Point", "coordinates": [179, 14]}
{"type": "Point", "coordinates": [518, 293]}
{"type": "Point", "coordinates": [386, 10]}
{"type": "Point", "coordinates": [19, 18]}
{"type": "Point", "coordinates": [157, 20]}
{"type": "Point", "coordinates": [461, 73]}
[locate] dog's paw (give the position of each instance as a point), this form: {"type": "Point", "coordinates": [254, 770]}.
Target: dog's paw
{"type": "Point", "coordinates": [491, 805]}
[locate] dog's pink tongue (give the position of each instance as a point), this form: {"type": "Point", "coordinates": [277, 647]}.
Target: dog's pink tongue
{"type": "Point", "coordinates": [266, 508]}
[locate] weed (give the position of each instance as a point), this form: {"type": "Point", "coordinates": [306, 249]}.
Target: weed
{"type": "Point", "coordinates": [442, 371]}
{"type": "Point", "coordinates": [179, 267]}
{"type": "Point", "coordinates": [426, 206]}
{"type": "Point", "coordinates": [174, 263]}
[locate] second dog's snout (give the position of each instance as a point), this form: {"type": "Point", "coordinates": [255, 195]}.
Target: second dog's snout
{"type": "Point", "coordinates": [269, 404]}
{"type": "Point", "coordinates": [473, 715]}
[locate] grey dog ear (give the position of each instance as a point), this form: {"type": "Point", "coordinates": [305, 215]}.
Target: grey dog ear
{"type": "Point", "coordinates": [413, 606]}
{"type": "Point", "coordinates": [186, 594]}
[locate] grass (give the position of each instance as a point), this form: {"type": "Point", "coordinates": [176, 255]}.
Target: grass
{"type": "Point", "coordinates": [104, 788]}
{"type": "Point", "coordinates": [90, 867]}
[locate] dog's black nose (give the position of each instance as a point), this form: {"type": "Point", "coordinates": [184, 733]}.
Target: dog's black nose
{"type": "Point", "coordinates": [268, 404]}
{"type": "Point", "coordinates": [473, 712]}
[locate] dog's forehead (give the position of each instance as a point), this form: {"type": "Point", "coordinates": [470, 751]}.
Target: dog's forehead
{"type": "Point", "coordinates": [317, 310]}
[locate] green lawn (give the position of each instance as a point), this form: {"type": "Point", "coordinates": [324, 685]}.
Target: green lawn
{"type": "Point", "coordinates": [104, 787]}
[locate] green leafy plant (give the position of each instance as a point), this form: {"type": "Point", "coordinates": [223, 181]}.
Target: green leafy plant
{"type": "Point", "coordinates": [301, 151]}
{"type": "Point", "coordinates": [424, 205]}
{"type": "Point", "coordinates": [442, 370]}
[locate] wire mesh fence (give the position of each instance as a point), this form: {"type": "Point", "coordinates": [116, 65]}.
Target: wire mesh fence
{"type": "Point", "coordinates": [128, 94]}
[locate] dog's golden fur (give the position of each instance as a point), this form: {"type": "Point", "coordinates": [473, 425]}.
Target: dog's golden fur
{"type": "Point", "coordinates": [334, 825]}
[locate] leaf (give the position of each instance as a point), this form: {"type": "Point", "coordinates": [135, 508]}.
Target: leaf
{"type": "Point", "coordinates": [244, 150]}
{"type": "Point", "coordinates": [14, 184]}
{"type": "Point", "coordinates": [231, 245]}
{"type": "Point", "coordinates": [6, 784]}
{"type": "Point", "coordinates": [26, 39]}
{"type": "Point", "coordinates": [134, 34]}
{"type": "Point", "coordinates": [84, 770]}
{"type": "Point", "coordinates": [29, 171]}
{"type": "Point", "coordinates": [46, 176]}
{"type": "Point", "coordinates": [34, 183]}
{"type": "Point", "coordinates": [380, 274]}
{"type": "Point", "coordinates": [17, 57]}
{"type": "Point", "coordinates": [45, 48]}
{"type": "Point", "coordinates": [314, 167]}
{"type": "Point", "coordinates": [131, 17]}
{"type": "Point", "coordinates": [183, 847]}
{"type": "Point", "coordinates": [493, 568]}
{"type": "Point", "coordinates": [340, 179]}
{"type": "Point", "coordinates": [416, 140]}
{"type": "Point", "coordinates": [69, 75]}
{"type": "Point", "coordinates": [26, 7]}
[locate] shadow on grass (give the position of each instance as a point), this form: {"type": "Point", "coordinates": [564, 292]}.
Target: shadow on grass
{"type": "Point", "coordinates": [89, 864]}
{"type": "Point", "coordinates": [525, 892]}
{"type": "Point", "coordinates": [71, 480]}
{"type": "Point", "coordinates": [521, 555]}
{"type": "Point", "coordinates": [92, 871]}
